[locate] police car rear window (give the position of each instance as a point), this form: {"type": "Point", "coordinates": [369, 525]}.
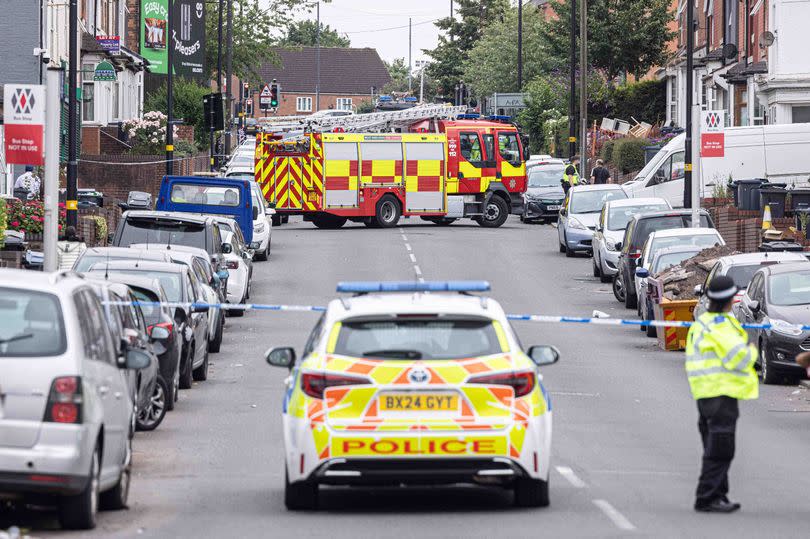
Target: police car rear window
{"type": "Point", "coordinates": [410, 339]}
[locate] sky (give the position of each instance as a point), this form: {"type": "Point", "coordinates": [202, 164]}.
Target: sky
{"type": "Point", "coordinates": [383, 24]}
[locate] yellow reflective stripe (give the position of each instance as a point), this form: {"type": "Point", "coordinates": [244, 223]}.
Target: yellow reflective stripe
{"type": "Point", "coordinates": [698, 364]}
{"type": "Point", "coordinates": [501, 336]}
{"type": "Point", "coordinates": [731, 360]}
{"type": "Point", "coordinates": [333, 337]}
{"type": "Point", "coordinates": [714, 370]}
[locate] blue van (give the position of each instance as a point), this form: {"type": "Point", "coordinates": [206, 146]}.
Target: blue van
{"type": "Point", "coordinates": [212, 196]}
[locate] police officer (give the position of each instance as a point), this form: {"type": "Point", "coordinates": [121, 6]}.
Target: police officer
{"type": "Point", "coordinates": [720, 368]}
{"type": "Point", "coordinates": [571, 175]}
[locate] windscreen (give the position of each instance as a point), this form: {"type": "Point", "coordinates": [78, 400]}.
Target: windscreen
{"type": "Point", "coordinates": [620, 217]}
{"type": "Point", "coordinates": [151, 313]}
{"type": "Point", "coordinates": [418, 339]}
{"type": "Point", "coordinates": [171, 282]}
{"type": "Point", "coordinates": [671, 259]}
{"type": "Point", "coordinates": [197, 194]}
{"type": "Point", "coordinates": [742, 275]}
{"type": "Point", "coordinates": [647, 226]}
{"type": "Point", "coordinates": [790, 288]}
{"type": "Point", "coordinates": [591, 201]}
{"type": "Point", "coordinates": [163, 232]}
{"type": "Point", "coordinates": [700, 240]}
{"type": "Point", "coordinates": [31, 324]}
{"type": "Point", "coordinates": [545, 176]}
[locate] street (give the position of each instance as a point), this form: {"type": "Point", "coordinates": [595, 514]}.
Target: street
{"type": "Point", "coordinates": [626, 451]}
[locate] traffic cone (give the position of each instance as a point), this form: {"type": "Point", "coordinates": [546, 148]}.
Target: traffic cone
{"type": "Point", "coordinates": [766, 218]}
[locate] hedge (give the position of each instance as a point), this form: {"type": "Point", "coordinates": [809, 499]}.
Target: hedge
{"type": "Point", "coordinates": [2, 222]}
{"type": "Point", "coordinates": [628, 153]}
{"type": "Point", "coordinates": [606, 154]}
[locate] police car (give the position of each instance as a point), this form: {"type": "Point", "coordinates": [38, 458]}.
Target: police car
{"type": "Point", "coordinates": [415, 383]}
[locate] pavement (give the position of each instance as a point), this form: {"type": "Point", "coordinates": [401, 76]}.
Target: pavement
{"type": "Point", "coordinates": [626, 451]}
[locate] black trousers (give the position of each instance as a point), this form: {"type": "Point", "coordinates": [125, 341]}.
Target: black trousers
{"type": "Point", "coordinates": [717, 425]}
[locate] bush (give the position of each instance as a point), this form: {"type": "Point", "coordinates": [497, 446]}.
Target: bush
{"type": "Point", "coordinates": [646, 101]}
{"type": "Point", "coordinates": [184, 148]}
{"type": "Point", "coordinates": [606, 154]}
{"type": "Point", "coordinates": [101, 230]}
{"type": "Point", "coordinates": [188, 105]}
{"type": "Point", "coordinates": [147, 135]}
{"type": "Point", "coordinates": [29, 217]}
{"type": "Point", "coordinates": [365, 106]}
{"type": "Point", "coordinates": [628, 154]}
{"type": "Point", "coordinates": [2, 222]}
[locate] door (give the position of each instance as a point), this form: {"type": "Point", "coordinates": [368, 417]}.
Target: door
{"type": "Point", "coordinates": [754, 293]}
{"type": "Point", "coordinates": [424, 177]}
{"type": "Point", "coordinates": [511, 167]}
{"type": "Point", "coordinates": [288, 182]}
{"type": "Point", "coordinates": [667, 181]}
{"type": "Point", "coordinates": [562, 220]}
{"type": "Point", "coordinates": [199, 321]}
{"type": "Point", "coordinates": [471, 163]}
{"type": "Point", "coordinates": [341, 175]}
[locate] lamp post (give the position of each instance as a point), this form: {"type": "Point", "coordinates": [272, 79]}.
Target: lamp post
{"type": "Point", "coordinates": [170, 90]}
{"type": "Point", "coordinates": [572, 102]}
{"type": "Point", "coordinates": [71, 203]}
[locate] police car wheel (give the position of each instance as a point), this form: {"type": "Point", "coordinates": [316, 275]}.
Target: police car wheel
{"type": "Point", "coordinates": [531, 492]}
{"type": "Point", "coordinates": [388, 212]}
{"type": "Point", "coordinates": [301, 495]}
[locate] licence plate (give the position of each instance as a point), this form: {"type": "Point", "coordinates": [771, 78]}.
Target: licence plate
{"type": "Point", "coordinates": [418, 402]}
{"type": "Point", "coordinates": [553, 207]}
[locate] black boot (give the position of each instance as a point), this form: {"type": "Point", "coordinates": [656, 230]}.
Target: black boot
{"type": "Point", "coordinates": [721, 505]}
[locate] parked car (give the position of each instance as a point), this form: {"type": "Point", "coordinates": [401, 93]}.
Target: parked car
{"type": "Point", "coordinates": [237, 241]}
{"type": "Point", "coordinates": [239, 273]}
{"type": "Point", "coordinates": [609, 231]}
{"type": "Point", "coordinates": [129, 331]}
{"type": "Point", "coordinates": [544, 193]}
{"type": "Point", "coordinates": [638, 230]}
{"type": "Point", "coordinates": [67, 416]}
{"type": "Point", "coordinates": [191, 321]}
{"type": "Point", "coordinates": [741, 268]}
{"type": "Point", "coordinates": [262, 223]}
{"type": "Point", "coordinates": [169, 228]}
{"type": "Point", "coordinates": [148, 291]}
{"type": "Point", "coordinates": [778, 295]}
{"type": "Point", "coordinates": [580, 213]}
{"type": "Point", "coordinates": [94, 255]}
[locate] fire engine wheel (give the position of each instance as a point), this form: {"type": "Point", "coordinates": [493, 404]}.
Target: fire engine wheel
{"type": "Point", "coordinates": [388, 212]}
{"type": "Point", "coordinates": [327, 221]}
{"type": "Point", "coordinates": [495, 213]}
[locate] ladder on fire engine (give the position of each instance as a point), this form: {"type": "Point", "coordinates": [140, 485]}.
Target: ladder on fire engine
{"type": "Point", "coordinates": [372, 121]}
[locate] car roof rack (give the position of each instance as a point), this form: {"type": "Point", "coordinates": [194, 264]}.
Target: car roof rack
{"type": "Point", "coordinates": [369, 287]}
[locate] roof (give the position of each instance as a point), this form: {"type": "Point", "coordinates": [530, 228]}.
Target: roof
{"type": "Point", "coordinates": [138, 281]}
{"type": "Point", "coordinates": [675, 232]}
{"type": "Point", "coordinates": [56, 282]}
{"type": "Point", "coordinates": [786, 268]}
{"type": "Point", "coordinates": [597, 187]}
{"type": "Point", "coordinates": [168, 215]}
{"type": "Point", "coordinates": [140, 265]}
{"type": "Point", "coordinates": [343, 70]}
{"type": "Point", "coordinates": [415, 303]}
{"type": "Point", "coordinates": [622, 202]}
{"type": "Point", "coordinates": [123, 252]}
{"type": "Point", "coordinates": [171, 249]}
{"type": "Point", "coordinates": [664, 213]}
{"type": "Point", "coordinates": [759, 258]}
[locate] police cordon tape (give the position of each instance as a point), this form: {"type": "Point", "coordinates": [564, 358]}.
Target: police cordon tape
{"type": "Point", "coordinates": [599, 319]}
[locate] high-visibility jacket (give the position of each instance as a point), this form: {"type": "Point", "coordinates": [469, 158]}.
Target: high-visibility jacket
{"type": "Point", "coordinates": [572, 179]}
{"type": "Point", "coordinates": [719, 360]}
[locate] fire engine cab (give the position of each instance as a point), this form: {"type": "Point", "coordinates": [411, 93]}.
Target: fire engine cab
{"type": "Point", "coordinates": [439, 166]}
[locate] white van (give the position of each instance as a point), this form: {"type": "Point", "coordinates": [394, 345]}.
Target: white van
{"type": "Point", "coordinates": [780, 153]}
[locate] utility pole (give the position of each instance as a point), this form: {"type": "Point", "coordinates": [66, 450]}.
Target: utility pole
{"type": "Point", "coordinates": [572, 102]}
{"type": "Point", "coordinates": [410, 50]}
{"type": "Point", "coordinates": [170, 90]}
{"type": "Point", "coordinates": [71, 203]}
{"type": "Point", "coordinates": [219, 45]}
{"type": "Point", "coordinates": [520, 47]}
{"type": "Point", "coordinates": [318, 57]}
{"type": "Point", "coordinates": [690, 47]}
{"type": "Point", "coordinates": [229, 78]}
{"type": "Point", "coordinates": [583, 88]}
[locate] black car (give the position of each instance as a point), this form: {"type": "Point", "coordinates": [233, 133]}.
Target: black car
{"type": "Point", "coordinates": [778, 295]}
{"type": "Point", "coordinates": [190, 321]}
{"type": "Point", "coordinates": [544, 193]}
{"type": "Point", "coordinates": [638, 230]}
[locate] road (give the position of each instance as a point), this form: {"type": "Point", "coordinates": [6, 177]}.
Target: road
{"type": "Point", "coordinates": [625, 450]}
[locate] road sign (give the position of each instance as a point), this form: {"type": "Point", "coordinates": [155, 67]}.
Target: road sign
{"type": "Point", "coordinates": [24, 109]}
{"type": "Point", "coordinates": [712, 138]}
{"type": "Point", "coordinates": [265, 98]}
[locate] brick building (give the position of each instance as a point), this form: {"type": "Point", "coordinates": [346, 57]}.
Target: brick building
{"type": "Point", "coordinates": [348, 77]}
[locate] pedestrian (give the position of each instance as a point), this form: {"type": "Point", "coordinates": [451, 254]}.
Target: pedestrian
{"type": "Point", "coordinates": [28, 182]}
{"type": "Point", "coordinates": [600, 174]}
{"type": "Point", "coordinates": [69, 249]}
{"type": "Point", "coordinates": [571, 174]}
{"type": "Point", "coordinates": [720, 368]}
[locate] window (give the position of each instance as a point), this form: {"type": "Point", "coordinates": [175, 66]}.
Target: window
{"type": "Point", "coordinates": [313, 337]}
{"type": "Point", "coordinates": [166, 232]}
{"type": "Point", "coordinates": [97, 339]}
{"type": "Point", "coordinates": [470, 147]}
{"type": "Point", "coordinates": [489, 145]}
{"type": "Point", "coordinates": [88, 93]}
{"type": "Point", "coordinates": [509, 148]}
{"type": "Point", "coordinates": [801, 114]}
{"type": "Point", "coordinates": [790, 288]}
{"type": "Point", "coordinates": [115, 97]}
{"type": "Point", "coordinates": [344, 103]}
{"type": "Point", "coordinates": [197, 194]}
{"type": "Point", "coordinates": [303, 104]}
{"type": "Point", "coordinates": [30, 324]}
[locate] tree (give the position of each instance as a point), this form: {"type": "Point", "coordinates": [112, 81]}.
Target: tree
{"type": "Point", "coordinates": [624, 36]}
{"type": "Point", "coordinates": [188, 105]}
{"type": "Point", "coordinates": [304, 34]}
{"type": "Point", "coordinates": [398, 70]}
{"type": "Point", "coordinates": [257, 27]}
{"type": "Point", "coordinates": [459, 36]}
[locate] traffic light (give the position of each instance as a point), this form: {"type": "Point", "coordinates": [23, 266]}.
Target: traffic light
{"type": "Point", "coordinates": [245, 90]}
{"type": "Point", "coordinates": [248, 107]}
{"type": "Point", "coordinates": [275, 94]}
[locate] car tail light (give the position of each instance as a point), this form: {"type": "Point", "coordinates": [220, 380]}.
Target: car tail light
{"type": "Point", "coordinates": [521, 382]}
{"type": "Point", "coordinates": [167, 325]}
{"type": "Point", "coordinates": [634, 254]}
{"type": "Point", "coordinates": [738, 296]}
{"type": "Point", "coordinates": [314, 384]}
{"type": "Point", "coordinates": [65, 400]}
{"type": "Point", "coordinates": [232, 264]}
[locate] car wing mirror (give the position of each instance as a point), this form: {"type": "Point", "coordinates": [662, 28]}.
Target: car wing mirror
{"type": "Point", "coordinates": [755, 306]}
{"type": "Point", "coordinates": [227, 248]}
{"type": "Point", "coordinates": [281, 357]}
{"type": "Point", "coordinates": [642, 273]}
{"type": "Point", "coordinates": [543, 354]}
{"type": "Point", "coordinates": [618, 246]}
{"type": "Point", "coordinates": [137, 359]}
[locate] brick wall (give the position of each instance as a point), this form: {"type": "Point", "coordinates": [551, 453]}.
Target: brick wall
{"type": "Point", "coordinates": [91, 140]}
{"type": "Point", "coordinates": [742, 229]}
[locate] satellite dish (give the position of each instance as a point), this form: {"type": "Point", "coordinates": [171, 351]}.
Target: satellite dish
{"type": "Point", "coordinates": [766, 39]}
{"type": "Point", "coordinates": [730, 51]}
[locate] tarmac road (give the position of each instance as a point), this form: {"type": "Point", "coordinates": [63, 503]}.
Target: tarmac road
{"type": "Point", "coordinates": [626, 448]}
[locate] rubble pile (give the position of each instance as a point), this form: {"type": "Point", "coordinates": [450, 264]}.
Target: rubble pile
{"type": "Point", "coordinates": [679, 281]}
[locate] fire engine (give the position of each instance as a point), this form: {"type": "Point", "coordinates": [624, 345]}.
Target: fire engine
{"type": "Point", "coordinates": [431, 161]}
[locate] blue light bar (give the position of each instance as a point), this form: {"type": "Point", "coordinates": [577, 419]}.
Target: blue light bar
{"type": "Point", "coordinates": [366, 287]}
{"type": "Point", "coordinates": [471, 116]}
{"type": "Point", "coordinates": [499, 118]}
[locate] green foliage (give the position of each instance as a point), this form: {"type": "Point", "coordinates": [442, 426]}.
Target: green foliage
{"type": "Point", "coordinates": [645, 101]}
{"type": "Point", "coordinates": [188, 105]}
{"type": "Point", "coordinates": [458, 36]}
{"type": "Point", "coordinates": [147, 135]}
{"type": "Point", "coordinates": [100, 225]}
{"type": "Point", "coordinates": [398, 70]}
{"type": "Point", "coordinates": [624, 36]}
{"type": "Point", "coordinates": [185, 148]}
{"type": "Point", "coordinates": [628, 153]}
{"type": "Point", "coordinates": [305, 34]}
{"type": "Point", "coordinates": [3, 222]}
{"type": "Point", "coordinates": [29, 217]}
{"type": "Point", "coordinates": [606, 154]}
{"type": "Point", "coordinates": [365, 106]}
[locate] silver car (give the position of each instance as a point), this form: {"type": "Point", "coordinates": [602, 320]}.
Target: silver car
{"type": "Point", "coordinates": [66, 413]}
{"type": "Point", "coordinates": [580, 213]}
{"type": "Point", "coordinates": [610, 230]}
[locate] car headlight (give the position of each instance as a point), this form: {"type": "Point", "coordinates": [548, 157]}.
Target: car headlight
{"type": "Point", "coordinates": [573, 222]}
{"type": "Point", "coordinates": [259, 227]}
{"type": "Point", "coordinates": [785, 328]}
{"type": "Point", "coordinates": [610, 245]}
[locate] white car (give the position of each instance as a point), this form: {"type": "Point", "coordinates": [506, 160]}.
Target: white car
{"type": "Point", "coordinates": [238, 272]}
{"type": "Point", "coordinates": [396, 386]}
{"type": "Point", "coordinates": [262, 224]}
{"type": "Point", "coordinates": [610, 230]}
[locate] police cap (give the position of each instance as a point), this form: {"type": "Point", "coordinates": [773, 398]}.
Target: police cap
{"type": "Point", "coordinates": [722, 288]}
